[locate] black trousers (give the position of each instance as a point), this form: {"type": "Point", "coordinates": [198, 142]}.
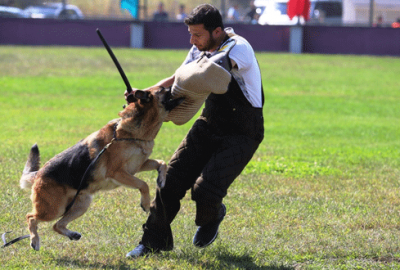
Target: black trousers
{"type": "Point", "coordinates": [205, 162]}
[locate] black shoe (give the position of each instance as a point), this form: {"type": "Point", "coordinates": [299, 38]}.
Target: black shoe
{"type": "Point", "coordinates": [206, 234]}
{"type": "Point", "coordinates": [140, 251]}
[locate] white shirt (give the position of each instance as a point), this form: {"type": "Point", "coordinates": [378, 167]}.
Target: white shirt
{"type": "Point", "coordinates": [247, 73]}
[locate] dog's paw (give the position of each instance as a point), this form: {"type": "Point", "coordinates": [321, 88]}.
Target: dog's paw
{"type": "Point", "coordinates": [162, 174]}
{"type": "Point", "coordinates": [74, 236]}
{"type": "Point", "coordinates": [145, 201]}
{"type": "Point", "coordinates": [35, 245]}
{"type": "Point", "coordinates": [146, 209]}
{"type": "Point", "coordinates": [161, 181]}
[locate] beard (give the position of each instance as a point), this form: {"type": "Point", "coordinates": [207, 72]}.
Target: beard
{"type": "Point", "coordinates": [211, 43]}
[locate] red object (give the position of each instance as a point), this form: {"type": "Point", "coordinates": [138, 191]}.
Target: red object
{"type": "Point", "coordinates": [396, 25]}
{"type": "Point", "coordinates": [299, 8]}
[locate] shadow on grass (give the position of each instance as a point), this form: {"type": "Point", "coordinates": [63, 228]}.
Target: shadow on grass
{"type": "Point", "coordinates": [222, 258]}
{"type": "Point", "coordinates": [226, 261]}
{"type": "Point", "coordinates": [244, 262]}
{"type": "Point", "coordinates": [75, 263]}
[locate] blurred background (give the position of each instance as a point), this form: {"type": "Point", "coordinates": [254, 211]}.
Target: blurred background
{"type": "Point", "coordinates": [376, 13]}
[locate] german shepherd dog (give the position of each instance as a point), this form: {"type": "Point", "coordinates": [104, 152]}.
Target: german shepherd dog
{"type": "Point", "coordinates": [130, 141]}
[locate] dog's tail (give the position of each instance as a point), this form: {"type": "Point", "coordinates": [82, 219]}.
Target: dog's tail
{"type": "Point", "coordinates": [31, 168]}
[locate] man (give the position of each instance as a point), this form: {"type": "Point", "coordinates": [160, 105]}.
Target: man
{"type": "Point", "coordinates": [219, 144]}
{"type": "Point", "coordinates": [181, 14]}
{"type": "Point", "coordinates": [252, 15]}
{"type": "Point", "coordinates": [233, 13]}
{"type": "Point", "coordinates": [160, 14]}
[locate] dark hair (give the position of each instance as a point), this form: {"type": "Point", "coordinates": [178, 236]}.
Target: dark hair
{"type": "Point", "coordinates": [205, 14]}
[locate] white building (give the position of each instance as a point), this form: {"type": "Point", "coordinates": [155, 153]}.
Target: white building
{"type": "Point", "coordinates": [358, 11]}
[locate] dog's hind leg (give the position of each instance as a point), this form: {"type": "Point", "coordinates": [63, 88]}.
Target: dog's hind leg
{"type": "Point", "coordinates": [79, 207]}
{"type": "Point", "coordinates": [47, 198]}
{"type": "Point", "coordinates": [32, 226]}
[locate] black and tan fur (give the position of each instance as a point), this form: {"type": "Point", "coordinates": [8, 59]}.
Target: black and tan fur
{"type": "Point", "coordinates": [54, 185]}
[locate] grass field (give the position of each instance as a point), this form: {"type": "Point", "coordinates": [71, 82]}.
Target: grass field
{"type": "Point", "coordinates": [322, 191]}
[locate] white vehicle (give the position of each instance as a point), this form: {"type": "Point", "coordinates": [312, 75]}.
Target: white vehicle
{"type": "Point", "coordinates": [12, 12]}
{"type": "Point", "coordinates": [327, 12]}
{"type": "Point", "coordinates": [55, 11]}
{"type": "Point", "coordinates": [274, 12]}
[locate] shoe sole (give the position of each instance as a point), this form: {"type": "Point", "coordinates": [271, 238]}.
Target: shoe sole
{"type": "Point", "coordinates": [216, 235]}
{"type": "Point", "coordinates": [209, 243]}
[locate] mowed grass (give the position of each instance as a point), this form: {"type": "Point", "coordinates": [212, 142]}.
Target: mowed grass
{"type": "Point", "coordinates": [322, 191]}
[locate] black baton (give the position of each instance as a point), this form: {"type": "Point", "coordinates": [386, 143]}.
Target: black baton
{"type": "Point", "coordinates": [121, 71]}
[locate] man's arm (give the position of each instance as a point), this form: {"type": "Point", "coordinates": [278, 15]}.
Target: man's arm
{"type": "Point", "coordinates": [167, 82]}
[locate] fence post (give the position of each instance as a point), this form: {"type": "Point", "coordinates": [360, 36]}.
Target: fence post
{"type": "Point", "coordinates": [296, 39]}
{"type": "Point", "coordinates": [137, 35]}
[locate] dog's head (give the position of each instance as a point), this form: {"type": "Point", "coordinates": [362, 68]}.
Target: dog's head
{"type": "Point", "coordinates": [149, 107]}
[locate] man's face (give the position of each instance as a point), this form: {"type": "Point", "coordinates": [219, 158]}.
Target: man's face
{"type": "Point", "coordinates": [201, 38]}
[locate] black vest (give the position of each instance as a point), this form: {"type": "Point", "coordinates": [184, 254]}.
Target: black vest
{"type": "Point", "coordinates": [232, 113]}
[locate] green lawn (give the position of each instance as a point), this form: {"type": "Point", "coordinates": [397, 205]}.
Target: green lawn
{"type": "Point", "coordinates": [322, 191]}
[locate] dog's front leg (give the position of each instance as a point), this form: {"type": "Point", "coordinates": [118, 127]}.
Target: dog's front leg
{"type": "Point", "coordinates": [160, 166]}
{"type": "Point", "coordinates": [128, 180]}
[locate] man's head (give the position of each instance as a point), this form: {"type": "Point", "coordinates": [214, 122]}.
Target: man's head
{"type": "Point", "coordinates": [160, 7]}
{"type": "Point", "coordinates": [205, 14]}
{"type": "Point", "coordinates": [206, 27]}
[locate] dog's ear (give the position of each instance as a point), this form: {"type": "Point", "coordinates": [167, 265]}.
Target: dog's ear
{"type": "Point", "coordinates": [131, 98]}
{"type": "Point", "coordinates": [142, 95]}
